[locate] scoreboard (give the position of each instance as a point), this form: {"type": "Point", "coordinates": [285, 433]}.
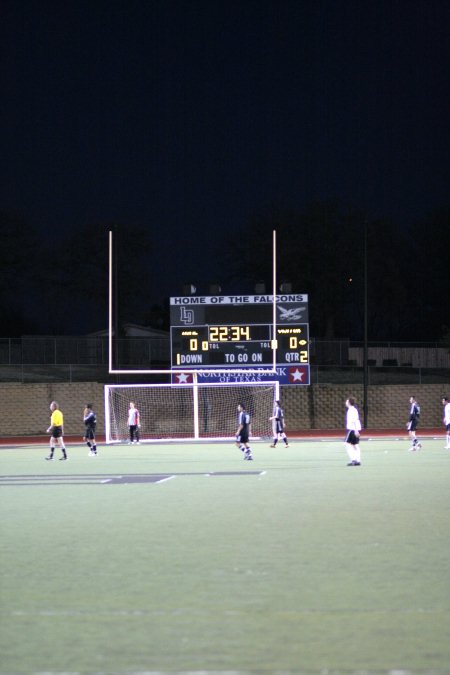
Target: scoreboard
{"type": "Point", "coordinates": [236, 331]}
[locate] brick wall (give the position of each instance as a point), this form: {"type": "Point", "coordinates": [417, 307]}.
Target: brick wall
{"type": "Point", "coordinates": [24, 408]}
{"type": "Point", "coordinates": [322, 406]}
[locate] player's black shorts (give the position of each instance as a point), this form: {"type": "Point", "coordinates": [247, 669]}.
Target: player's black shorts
{"type": "Point", "coordinates": [352, 438]}
{"type": "Point", "coordinates": [56, 432]}
{"type": "Point", "coordinates": [279, 426]}
{"type": "Point", "coordinates": [448, 427]}
{"type": "Point", "coordinates": [89, 433]}
{"type": "Point", "coordinates": [243, 436]}
{"type": "Point", "coordinates": [413, 425]}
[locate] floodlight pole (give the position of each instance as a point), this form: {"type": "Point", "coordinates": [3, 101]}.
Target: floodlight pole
{"type": "Point", "coordinates": [365, 349]}
{"type": "Point", "coordinates": [113, 315]}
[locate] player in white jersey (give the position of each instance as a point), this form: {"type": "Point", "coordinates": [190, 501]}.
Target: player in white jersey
{"type": "Point", "coordinates": [133, 423]}
{"type": "Point", "coordinates": [353, 426]}
{"type": "Point", "coordinates": [446, 404]}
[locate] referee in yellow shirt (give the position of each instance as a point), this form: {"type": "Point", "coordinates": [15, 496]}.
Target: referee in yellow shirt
{"type": "Point", "coordinates": [56, 431]}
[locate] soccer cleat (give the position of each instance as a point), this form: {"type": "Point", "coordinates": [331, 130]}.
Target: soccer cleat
{"type": "Point", "coordinates": [63, 459]}
{"type": "Point", "coordinates": [92, 454]}
{"type": "Point", "coordinates": [273, 445]}
{"type": "Point", "coordinates": [286, 445]}
{"type": "Point", "coordinates": [354, 463]}
{"type": "Point", "coordinates": [419, 446]}
{"type": "Point", "coordinates": [248, 457]}
{"type": "Point", "coordinates": [49, 459]}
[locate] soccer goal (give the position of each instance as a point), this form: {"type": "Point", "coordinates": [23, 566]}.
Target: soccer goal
{"type": "Point", "coordinates": [186, 412]}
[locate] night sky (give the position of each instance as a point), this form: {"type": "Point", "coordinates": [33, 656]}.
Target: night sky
{"type": "Point", "coordinates": [190, 116]}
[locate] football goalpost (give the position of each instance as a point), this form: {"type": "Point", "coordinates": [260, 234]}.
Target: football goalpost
{"type": "Point", "coordinates": [189, 412]}
{"type": "Point", "coordinates": [272, 370]}
{"type": "Point", "coordinates": [194, 411]}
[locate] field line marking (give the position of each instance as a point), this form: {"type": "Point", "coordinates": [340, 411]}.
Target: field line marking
{"type": "Point", "coordinates": [163, 480]}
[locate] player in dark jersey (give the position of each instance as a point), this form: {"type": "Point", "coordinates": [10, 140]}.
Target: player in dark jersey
{"type": "Point", "coordinates": [278, 418]}
{"type": "Point", "coordinates": [413, 421]}
{"type": "Point", "coordinates": [243, 432]}
{"type": "Point", "coordinates": [90, 421]}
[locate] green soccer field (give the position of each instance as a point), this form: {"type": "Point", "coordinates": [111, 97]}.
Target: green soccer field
{"type": "Point", "coordinates": [169, 558]}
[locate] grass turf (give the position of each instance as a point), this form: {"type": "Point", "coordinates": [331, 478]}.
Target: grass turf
{"type": "Point", "coordinates": [308, 567]}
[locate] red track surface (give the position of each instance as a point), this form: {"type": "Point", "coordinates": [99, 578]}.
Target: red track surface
{"type": "Point", "coordinates": [293, 435]}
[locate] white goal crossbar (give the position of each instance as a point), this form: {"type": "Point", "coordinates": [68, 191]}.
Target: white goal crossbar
{"type": "Point", "coordinates": [189, 412]}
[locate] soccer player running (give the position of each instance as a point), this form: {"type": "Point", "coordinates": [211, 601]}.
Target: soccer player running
{"type": "Point", "coordinates": [90, 422]}
{"type": "Point", "coordinates": [243, 432]}
{"type": "Point", "coordinates": [133, 423]}
{"type": "Point", "coordinates": [279, 433]}
{"type": "Point", "coordinates": [446, 404]}
{"type": "Point", "coordinates": [56, 430]}
{"type": "Point", "coordinates": [413, 421]}
{"type": "Point", "coordinates": [353, 426]}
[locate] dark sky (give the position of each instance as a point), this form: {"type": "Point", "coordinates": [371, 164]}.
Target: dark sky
{"type": "Point", "coordinates": [189, 116]}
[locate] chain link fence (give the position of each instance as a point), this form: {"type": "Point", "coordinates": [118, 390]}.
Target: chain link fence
{"type": "Point", "coordinates": [85, 359]}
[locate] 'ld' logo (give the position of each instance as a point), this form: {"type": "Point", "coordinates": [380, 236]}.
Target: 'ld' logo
{"type": "Point", "coordinates": [186, 316]}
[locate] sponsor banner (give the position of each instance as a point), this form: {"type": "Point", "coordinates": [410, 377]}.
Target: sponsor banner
{"type": "Point", "coordinates": [285, 375]}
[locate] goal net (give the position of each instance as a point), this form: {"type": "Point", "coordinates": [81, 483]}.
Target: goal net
{"type": "Point", "coordinates": [199, 411]}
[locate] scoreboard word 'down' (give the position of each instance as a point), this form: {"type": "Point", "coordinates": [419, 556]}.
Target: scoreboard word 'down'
{"type": "Point", "coordinates": [237, 331]}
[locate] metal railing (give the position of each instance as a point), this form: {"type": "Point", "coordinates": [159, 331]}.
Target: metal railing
{"type": "Point", "coordinates": [75, 359]}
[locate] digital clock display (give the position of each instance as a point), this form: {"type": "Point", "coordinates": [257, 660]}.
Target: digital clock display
{"type": "Point", "coordinates": [237, 333]}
